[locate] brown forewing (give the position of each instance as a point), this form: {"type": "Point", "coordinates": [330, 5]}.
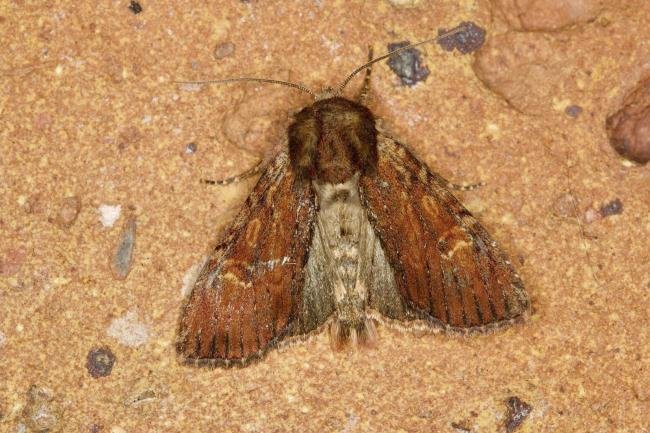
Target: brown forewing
{"type": "Point", "coordinates": [447, 268]}
{"type": "Point", "coordinates": [248, 293]}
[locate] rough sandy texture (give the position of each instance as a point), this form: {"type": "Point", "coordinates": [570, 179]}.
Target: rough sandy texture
{"type": "Point", "coordinates": [89, 110]}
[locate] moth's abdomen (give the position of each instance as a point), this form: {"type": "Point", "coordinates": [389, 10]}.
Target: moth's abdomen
{"type": "Point", "coordinates": [343, 231]}
{"type": "Point", "coordinates": [332, 140]}
{"type": "Point", "coordinates": [362, 332]}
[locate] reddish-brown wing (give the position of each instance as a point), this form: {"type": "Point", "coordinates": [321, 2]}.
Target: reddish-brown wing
{"type": "Point", "coordinates": [247, 296]}
{"type": "Point", "coordinates": [447, 268]}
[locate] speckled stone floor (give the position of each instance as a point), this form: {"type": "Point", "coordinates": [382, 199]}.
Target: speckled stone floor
{"type": "Point", "coordinates": [95, 133]}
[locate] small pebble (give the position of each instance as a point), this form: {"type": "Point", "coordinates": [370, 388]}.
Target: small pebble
{"type": "Point", "coordinates": [190, 148]}
{"type": "Point", "coordinates": [123, 258]}
{"type": "Point", "coordinates": [407, 64]}
{"type": "Point", "coordinates": [223, 50]}
{"type": "Point", "coordinates": [469, 38]}
{"type": "Point", "coordinates": [573, 111]}
{"type": "Point", "coordinates": [40, 414]}
{"type": "Point", "coordinates": [69, 211]}
{"type": "Point", "coordinates": [614, 207]}
{"type": "Point", "coordinates": [108, 214]}
{"type": "Point", "coordinates": [100, 362]}
{"type": "Point", "coordinates": [135, 7]}
{"type": "Point", "coordinates": [518, 411]}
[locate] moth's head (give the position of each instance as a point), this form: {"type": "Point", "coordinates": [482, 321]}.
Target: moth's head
{"type": "Point", "coordinates": [327, 93]}
{"type": "Point", "coordinates": [332, 139]}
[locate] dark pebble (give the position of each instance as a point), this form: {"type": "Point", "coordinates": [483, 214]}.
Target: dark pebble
{"type": "Point", "coordinates": [135, 7]}
{"type": "Point", "coordinates": [100, 362]}
{"type": "Point", "coordinates": [518, 411]}
{"type": "Point", "coordinates": [573, 111]}
{"type": "Point", "coordinates": [614, 207]}
{"type": "Point", "coordinates": [469, 38]}
{"type": "Point", "coordinates": [190, 149]}
{"type": "Point", "coordinates": [407, 64]}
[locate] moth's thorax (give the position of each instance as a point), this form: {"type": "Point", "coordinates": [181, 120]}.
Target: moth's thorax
{"type": "Point", "coordinates": [333, 139]}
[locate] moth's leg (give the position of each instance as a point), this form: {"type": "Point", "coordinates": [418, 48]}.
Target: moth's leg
{"type": "Point", "coordinates": [256, 169]}
{"type": "Point", "coordinates": [362, 98]}
{"type": "Point", "coordinates": [466, 187]}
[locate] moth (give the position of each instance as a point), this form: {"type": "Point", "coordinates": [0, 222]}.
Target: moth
{"type": "Point", "coordinates": [345, 228]}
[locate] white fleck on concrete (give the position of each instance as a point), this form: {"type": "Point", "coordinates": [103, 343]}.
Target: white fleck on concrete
{"type": "Point", "coordinates": [129, 330]}
{"type": "Point", "coordinates": [108, 214]}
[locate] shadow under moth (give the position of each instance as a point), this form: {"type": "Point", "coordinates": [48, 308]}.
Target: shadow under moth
{"type": "Point", "coordinates": [344, 229]}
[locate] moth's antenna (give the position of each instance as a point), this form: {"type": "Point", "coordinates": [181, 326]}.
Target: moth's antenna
{"type": "Point", "coordinates": [259, 80]}
{"type": "Point", "coordinates": [459, 29]}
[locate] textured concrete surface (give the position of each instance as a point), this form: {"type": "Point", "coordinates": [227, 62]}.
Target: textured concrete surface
{"type": "Point", "coordinates": [91, 118]}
